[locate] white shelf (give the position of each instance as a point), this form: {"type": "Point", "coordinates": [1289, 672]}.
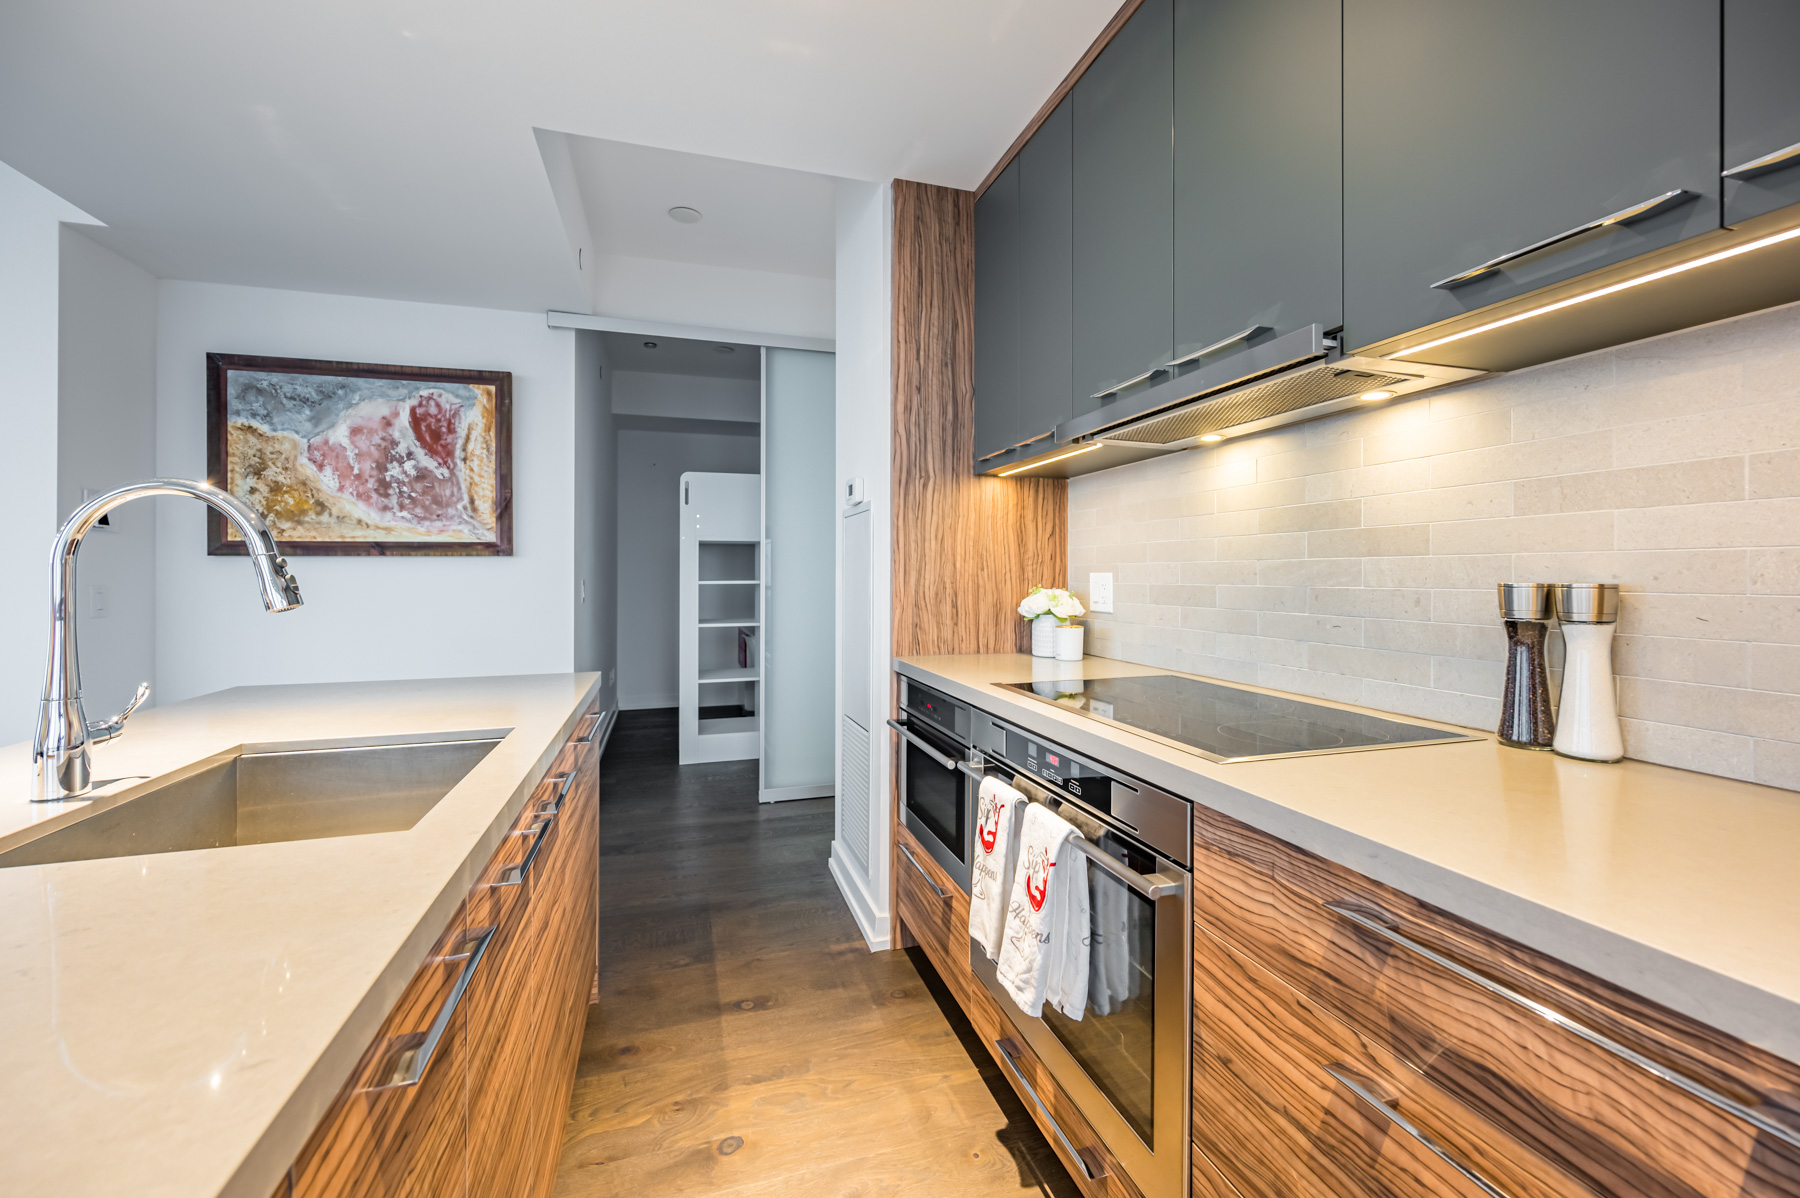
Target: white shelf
{"type": "Point", "coordinates": [730, 623]}
{"type": "Point", "coordinates": [742, 723]}
{"type": "Point", "coordinates": [729, 582]}
{"type": "Point", "coordinates": [731, 674]}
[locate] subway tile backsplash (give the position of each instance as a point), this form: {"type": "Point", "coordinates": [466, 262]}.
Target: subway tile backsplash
{"type": "Point", "coordinates": [1354, 558]}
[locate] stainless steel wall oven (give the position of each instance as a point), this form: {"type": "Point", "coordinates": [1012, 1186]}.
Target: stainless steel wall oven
{"type": "Point", "coordinates": [935, 795]}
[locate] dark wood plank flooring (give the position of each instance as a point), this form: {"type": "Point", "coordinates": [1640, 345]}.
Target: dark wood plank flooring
{"type": "Point", "coordinates": [746, 1042]}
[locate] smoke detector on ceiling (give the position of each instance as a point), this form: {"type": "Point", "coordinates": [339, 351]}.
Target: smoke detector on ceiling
{"type": "Point", "coordinates": [686, 216]}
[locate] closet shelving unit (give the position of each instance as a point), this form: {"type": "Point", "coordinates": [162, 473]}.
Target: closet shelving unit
{"type": "Point", "coordinates": [721, 617]}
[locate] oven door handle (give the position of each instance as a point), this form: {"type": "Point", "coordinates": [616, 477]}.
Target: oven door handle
{"type": "Point", "coordinates": [948, 763]}
{"type": "Point", "coordinates": [1151, 886]}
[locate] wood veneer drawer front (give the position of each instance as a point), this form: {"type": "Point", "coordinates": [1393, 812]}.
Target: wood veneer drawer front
{"type": "Point", "coordinates": [1289, 1101]}
{"type": "Point", "coordinates": [1498, 1026]}
{"type": "Point", "coordinates": [396, 1129]}
{"type": "Point", "coordinates": [928, 905]}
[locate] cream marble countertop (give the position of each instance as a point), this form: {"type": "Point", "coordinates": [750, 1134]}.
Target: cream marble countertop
{"type": "Point", "coordinates": [176, 1024]}
{"type": "Point", "coordinates": [1676, 885]}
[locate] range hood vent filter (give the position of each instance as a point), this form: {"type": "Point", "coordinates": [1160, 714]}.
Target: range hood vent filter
{"type": "Point", "coordinates": [1278, 396]}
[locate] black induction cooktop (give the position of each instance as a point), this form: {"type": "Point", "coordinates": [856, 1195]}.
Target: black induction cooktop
{"type": "Point", "coordinates": [1228, 723]}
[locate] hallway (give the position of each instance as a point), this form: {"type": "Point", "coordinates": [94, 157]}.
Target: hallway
{"type": "Point", "coordinates": [746, 1043]}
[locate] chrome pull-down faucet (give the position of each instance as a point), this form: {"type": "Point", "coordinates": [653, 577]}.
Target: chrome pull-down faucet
{"type": "Point", "coordinates": [59, 749]}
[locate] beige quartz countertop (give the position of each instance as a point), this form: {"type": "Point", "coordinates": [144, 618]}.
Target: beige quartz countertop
{"type": "Point", "coordinates": [176, 1024]}
{"type": "Point", "coordinates": [1676, 885]}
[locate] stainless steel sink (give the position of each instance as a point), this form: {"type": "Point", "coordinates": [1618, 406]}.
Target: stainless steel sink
{"type": "Point", "coordinates": [272, 794]}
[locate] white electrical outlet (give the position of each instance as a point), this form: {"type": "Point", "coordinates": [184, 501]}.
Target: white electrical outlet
{"type": "Point", "coordinates": [97, 602]}
{"type": "Point", "coordinates": [1099, 592]}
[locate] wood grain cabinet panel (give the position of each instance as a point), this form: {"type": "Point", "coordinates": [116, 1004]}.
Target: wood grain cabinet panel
{"type": "Point", "coordinates": [486, 1117]}
{"type": "Point", "coordinates": [1604, 1120]}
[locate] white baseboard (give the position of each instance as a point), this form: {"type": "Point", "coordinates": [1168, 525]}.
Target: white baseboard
{"type": "Point", "coordinates": [877, 929]}
{"type": "Point", "coordinates": [781, 794]}
{"type": "Point", "coordinates": [648, 702]}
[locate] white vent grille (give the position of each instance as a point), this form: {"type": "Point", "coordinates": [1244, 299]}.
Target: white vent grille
{"type": "Point", "coordinates": [853, 793]}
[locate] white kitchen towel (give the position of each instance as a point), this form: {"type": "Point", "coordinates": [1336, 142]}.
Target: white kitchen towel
{"type": "Point", "coordinates": [1112, 975]}
{"type": "Point", "coordinates": [1044, 954]}
{"type": "Point", "coordinates": [990, 874]}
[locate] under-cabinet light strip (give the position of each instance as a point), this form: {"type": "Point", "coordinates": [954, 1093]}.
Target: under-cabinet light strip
{"type": "Point", "coordinates": [1059, 457]}
{"type": "Point", "coordinates": [1597, 293]}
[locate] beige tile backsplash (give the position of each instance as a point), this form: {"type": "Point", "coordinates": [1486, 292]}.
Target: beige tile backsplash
{"type": "Point", "coordinates": [1355, 558]}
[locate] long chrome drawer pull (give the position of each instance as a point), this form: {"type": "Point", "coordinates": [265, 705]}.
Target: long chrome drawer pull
{"type": "Point", "coordinates": [1255, 330]}
{"type": "Point", "coordinates": [1768, 162]}
{"type": "Point", "coordinates": [935, 888]}
{"type": "Point", "coordinates": [599, 719]}
{"type": "Point", "coordinates": [420, 1058]}
{"type": "Point", "coordinates": [516, 875]}
{"type": "Point", "coordinates": [1130, 382]}
{"type": "Point", "coordinates": [1087, 1170]}
{"type": "Point", "coordinates": [1623, 216]}
{"type": "Point", "coordinates": [1679, 1080]}
{"type": "Point", "coordinates": [1361, 1087]}
{"type": "Point", "coordinates": [1151, 886]}
{"type": "Point", "coordinates": [948, 763]}
{"type": "Point", "coordinates": [552, 806]}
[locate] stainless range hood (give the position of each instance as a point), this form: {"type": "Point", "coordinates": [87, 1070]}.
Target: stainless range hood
{"type": "Point", "coordinates": [1297, 376]}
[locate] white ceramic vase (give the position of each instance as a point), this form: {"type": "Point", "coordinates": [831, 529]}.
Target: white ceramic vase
{"type": "Point", "coordinates": [1068, 638]}
{"type": "Point", "coordinates": [1041, 628]}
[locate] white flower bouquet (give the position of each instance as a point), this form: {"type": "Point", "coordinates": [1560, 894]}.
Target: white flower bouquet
{"type": "Point", "coordinates": [1052, 601]}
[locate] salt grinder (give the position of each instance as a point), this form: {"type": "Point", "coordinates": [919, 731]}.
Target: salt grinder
{"type": "Point", "coordinates": [1588, 727]}
{"type": "Point", "coordinates": [1526, 721]}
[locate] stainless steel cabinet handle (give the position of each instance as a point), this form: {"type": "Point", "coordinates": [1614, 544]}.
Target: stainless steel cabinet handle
{"type": "Point", "coordinates": [1768, 162]}
{"type": "Point", "coordinates": [589, 738]}
{"type": "Point", "coordinates": [516, 875]}
{"type": "Point", "coordinates": [562, 792]}
{"type": "Point", "coordinates": [948, 763]}
{"type": "Point", "coordinates": [1255, 330]}
{"type": "Point", "coordinates": [1680, 1081]}
{"type": "Point", "coordinates": [1087, 1170]}
{"type": "Point", "coordinates": [412, 1064]}
{"type": "Point", "coordinates": [1362, 1088]}
{"type": "Point", "coordinates": [935, 888]}
{"type": "Point", "coordinates": [1623, 216]}
{"type": "Point", "coordinates": [1130, 382]}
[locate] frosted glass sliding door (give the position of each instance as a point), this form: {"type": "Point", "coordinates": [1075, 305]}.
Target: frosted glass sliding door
{"type": "Point", "coordinates": [799, 517]}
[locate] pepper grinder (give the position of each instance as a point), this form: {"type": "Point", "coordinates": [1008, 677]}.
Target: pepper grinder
{"type": "Point", "coordinates": [1589, 724]}
{"type": "Point", "coordinates": [1526, 721]}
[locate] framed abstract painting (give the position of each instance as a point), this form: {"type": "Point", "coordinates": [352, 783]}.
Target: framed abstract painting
{"type": "Point", "coordinates": [349, 458]}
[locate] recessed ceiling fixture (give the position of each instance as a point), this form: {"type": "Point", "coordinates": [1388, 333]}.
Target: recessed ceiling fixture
{"type": "Point", "coordinates": [724, 349]}
{"type": "Point", "coordinates": [649, 345]}
{"type": "Point", "coordinates": [1211, 437]}
{"type": "Point", "coordinates": [1059, 457]}
{"type": "Point", "coordinates": [1376, 396]}
{"type": "Point", "coordinates": [686, 216]}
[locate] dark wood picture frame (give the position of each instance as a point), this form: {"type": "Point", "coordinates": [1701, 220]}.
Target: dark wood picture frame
{"type": "Point", "coordinates": [218, 366]}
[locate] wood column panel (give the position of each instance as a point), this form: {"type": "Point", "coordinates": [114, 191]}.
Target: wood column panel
{"type": "Point", "coordinates": [966, 548]}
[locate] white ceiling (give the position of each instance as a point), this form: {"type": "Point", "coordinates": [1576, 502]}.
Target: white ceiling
{"type": "Point", "coordinates": [385, 147]}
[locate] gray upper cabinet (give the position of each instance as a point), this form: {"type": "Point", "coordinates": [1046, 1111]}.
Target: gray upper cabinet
{"type": "Point", "coordinates": [1047, 284]}
{"type": "Point", "coordinates": [1475, 129]}
{"type": "Point", "coordinates": [1762, 107]}
{"type": "Point", "coordinates": [1124, 220]}
{"type": "Point", "coordinates": [997, 314]}
{"type": "Point", "coordinates": [1258, 206]}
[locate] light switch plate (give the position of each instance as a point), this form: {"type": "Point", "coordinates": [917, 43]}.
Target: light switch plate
{"type": "Point", "coordinates": [1100, 592]}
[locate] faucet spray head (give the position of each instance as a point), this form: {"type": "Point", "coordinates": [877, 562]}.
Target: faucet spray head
{"type": "Point", "coordinates": [281, 590]}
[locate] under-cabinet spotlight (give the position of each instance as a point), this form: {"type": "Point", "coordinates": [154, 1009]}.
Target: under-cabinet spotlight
{"type": "Point", "coordinates": [1092, 445]}
{"type": "Point", "coordinates": [1376, 396]}
{"type": "Point", "coordinates": [1209, 438]}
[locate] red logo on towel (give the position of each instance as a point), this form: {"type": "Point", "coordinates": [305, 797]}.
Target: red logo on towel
{"type": "Point", "coordinates": [988, 828]}
{"type": "Point", "coordinates": [1037, 877]}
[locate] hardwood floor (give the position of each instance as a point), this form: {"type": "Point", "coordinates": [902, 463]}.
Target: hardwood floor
{"type": "Point", "coordinates": [746, 1042]}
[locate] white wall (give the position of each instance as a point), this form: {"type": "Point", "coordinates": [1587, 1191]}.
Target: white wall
{"type": "Point", "coordinates": [596, 515]}
{"type": "Point", "coordinates": [365, 617]}
{"type": "Point", "coordinates": [865, 225]}
{"type": "Point", "coordinates": [650, 467]}
{"type": "Point", "coordinates": [685, 396]}
{"type": "Point", "coordinates": [106, 437]}
{"type": "Point", "coordinates": [722, 297]}
{"type": "Point", "coordinates": [29, 282]}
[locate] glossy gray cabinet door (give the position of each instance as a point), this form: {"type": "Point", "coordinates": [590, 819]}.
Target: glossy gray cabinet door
{"type": "Point", "coordinates": [1762, 104]}
{"type": "Point", "coordinates": [1258, 206]}
{"type": "Point", "coordinates": [1124, 222]}
{"type": "Point", "coordinates": [997, 314]}
{"type": "Point", "coordinates": [1473, 129]}
{"type": "Point", "coordinates": [1046, 264]}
